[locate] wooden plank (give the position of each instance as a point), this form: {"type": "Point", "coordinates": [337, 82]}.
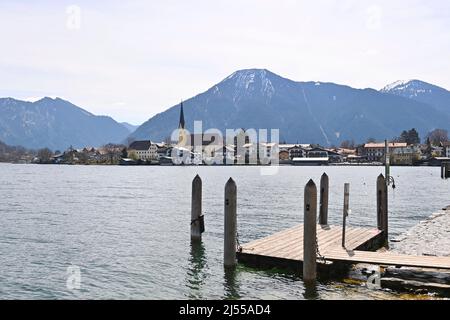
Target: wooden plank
{"type": "Point", "coordinates": [360, 238]}
{"type": "Point", "coordinates": [288, 244]}
{"type": "Point", "coordinates": [273, 242]}
{"type": "Point", "coordinates": [291, 244]}
{"type": "Point", "coordinates": [337, 237]}
{"type": "Point", "coordinates": [270, 238]}
{"type": "Point", "coordinates": [387, 258]}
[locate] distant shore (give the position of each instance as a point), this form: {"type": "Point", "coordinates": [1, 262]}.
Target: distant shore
{"type": "Point", "coordinates": [220, 165]}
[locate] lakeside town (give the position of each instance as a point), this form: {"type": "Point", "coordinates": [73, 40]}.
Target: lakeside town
{"type": "Point", "coordinates": [151, 153]}
{"type": "Point", "coordinates": [245, 149]}
{"type": "Point", "coordinates": [200, 149]}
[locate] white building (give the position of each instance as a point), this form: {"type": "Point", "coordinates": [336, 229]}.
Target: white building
{"type": "Point", "coordinates": [446, 149]}
{"type": "Point", "coordinates": [375, 151]}
{"type": "Point", "coordinates": [144, 150]}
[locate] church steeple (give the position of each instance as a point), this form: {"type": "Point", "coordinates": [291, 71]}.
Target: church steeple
{"type": "Point", "coordinates": [181, 124]}
{"type": "Point", "coordinates": [181, 130]}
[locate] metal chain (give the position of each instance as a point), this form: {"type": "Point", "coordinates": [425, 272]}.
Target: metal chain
{"type": "Point", "coordinates": [321, 257]}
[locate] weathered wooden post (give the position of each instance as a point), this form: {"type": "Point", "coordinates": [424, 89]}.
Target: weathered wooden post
{"type": "Point", "coordinates": [324, 189]}
{"type": "Point", "coordinates": [387, 162]}
{"type": "Point", "coordinates": [345, 212]}
{"type": "Point", "coordinates": [382, 205]}
{"type": "Point", "coordinates": [310, 233]}
{"type": "Point", "coordinates": [230, 224]}
{"type": "Point", "coordinates": [447, 170]}
{"type": "Point", "coordinates": [197, 222]}
{"type": "Point", "coordinates": [443, 168]}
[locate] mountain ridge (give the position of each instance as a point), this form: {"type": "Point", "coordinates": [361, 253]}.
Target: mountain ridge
{"type": "Point", "coordinates": [318, 112]}
{"type": "Point", "coordinates": [421, 91]}
{"type": "Point", "coordinates": [55, 123]}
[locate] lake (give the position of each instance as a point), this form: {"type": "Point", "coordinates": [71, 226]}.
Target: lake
{"type": "Point", "coordinates": [128, 228]}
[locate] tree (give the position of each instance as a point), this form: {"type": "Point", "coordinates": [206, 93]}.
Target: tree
{"type": "Point", "coordinates": [411, 137]}
{"type": "Point", "coordinates": [133, 155]}
{"type": "Point", "coordinates": [44, 155]}
{"type": "Point", "coordinates": [371, 140]}
{"type": "Point", "coordinates": [346, 144]}
{"type": "Point", "coordinates": [437, 136]}
{"type": "Point", "coordinates": [124, 153]}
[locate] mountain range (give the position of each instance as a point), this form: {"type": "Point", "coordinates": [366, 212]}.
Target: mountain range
{"type": "Point", "coordinates": [314, 112]}
{"type": "Point", "coordinates": [56, 124]}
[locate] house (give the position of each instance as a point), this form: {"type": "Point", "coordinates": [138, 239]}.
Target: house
{"type": "Point", "coordinates": [445, 149]}
{"type": "Point", "coordinates": [335, 157]}
{"type": "Point", "coordinates": [144, 150]}
{"type": "Point", "coordinates": [405, 155]}
{"type": "Point", "coordinates": [317, 153]}
{"type": "Point", "coordinates": [375, 151]}
{"type": "Point", "coordinates": [297, 151]}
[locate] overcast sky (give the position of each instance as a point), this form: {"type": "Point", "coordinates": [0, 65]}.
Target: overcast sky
{"type": "Point", "coordinates": [133, 59]}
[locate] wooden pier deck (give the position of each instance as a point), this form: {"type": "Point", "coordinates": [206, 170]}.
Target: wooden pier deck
{"type": "Point", "coordinates": [387, 259]}
{"type": "Point", "coordinates": [285, 249]}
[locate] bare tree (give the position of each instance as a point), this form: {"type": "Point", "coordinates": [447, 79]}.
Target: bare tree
{"type": "Point", "coordinates": [347, 144]}
{"type": "Point", "coordinates": [437, 136]}
{"type": "Point", "coordinates": [44, 155]}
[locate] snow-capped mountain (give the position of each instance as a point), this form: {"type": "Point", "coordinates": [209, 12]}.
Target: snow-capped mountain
{"type": "Point", "coordinates": [314, 112]}
{"type": "Point", "coordinates": [423, 92]}
{"type": "Point", "coordinates": [56, 124]}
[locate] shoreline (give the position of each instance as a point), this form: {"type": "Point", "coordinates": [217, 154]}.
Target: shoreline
{"type": "Point", "coordinates": [430, 237]}
{"type": "Point", "coordinates": [222, 165]}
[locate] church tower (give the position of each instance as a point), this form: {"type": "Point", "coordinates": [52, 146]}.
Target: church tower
{"type": "Point", "coordinates": [181, 128]}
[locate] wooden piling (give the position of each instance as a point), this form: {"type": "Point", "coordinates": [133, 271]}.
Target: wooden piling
{"type": "Point", "coordinates": [310, 233]}
{"type": "Point", "coordinates": [443, 168]}
{"type": "Point", "coordinates": [345, 211]}
{"type": "Point", "coordinates": [382, 205]}
{"type": "Point", "coordinates": [196, 209]}
{"type": "Point", "coordinates": [324, 189]}
{"type": "Point", "coordinates": [447, 170]}
{"type": "Point", "coordinates": [230, 224]}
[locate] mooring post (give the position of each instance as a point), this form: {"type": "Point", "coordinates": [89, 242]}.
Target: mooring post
{"type": "Point", "coordinates": [447, 170]}
{"type": "Point", "coordinates": [197, 224]}
{"type": "Point", "coordinates": [443, 168]}
{"type": "Point", "coordinates": [387, 162]}
{"type": "Point", "coordinates": [310, 232]}
{"type": "Point", "coordinates": [230, 224]}
{"type": "Point", "coordinates": [382, 205]}
{"type": "Point", "coordinates": [345, 212]}
{"type": "Point", "coordinates": [324, 188]}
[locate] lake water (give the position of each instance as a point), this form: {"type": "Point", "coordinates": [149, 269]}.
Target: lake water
{"type": "Point", "coordinates": [127, 228]}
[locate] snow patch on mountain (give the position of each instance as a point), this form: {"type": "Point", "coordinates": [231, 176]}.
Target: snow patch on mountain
{"type": "Point", "coordinates": [397, 85]}
{"type": "Point", "coordinates": [246, 82]}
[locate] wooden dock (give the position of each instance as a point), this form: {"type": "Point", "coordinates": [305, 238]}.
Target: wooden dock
{"type": "Point", "coordinates": [285, 249]}
{"type": "Point", "coordinates": [314, 247]}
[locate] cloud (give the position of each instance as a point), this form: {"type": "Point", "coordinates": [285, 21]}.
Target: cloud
{"type": "Point", "coordinates": [149, 55]}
